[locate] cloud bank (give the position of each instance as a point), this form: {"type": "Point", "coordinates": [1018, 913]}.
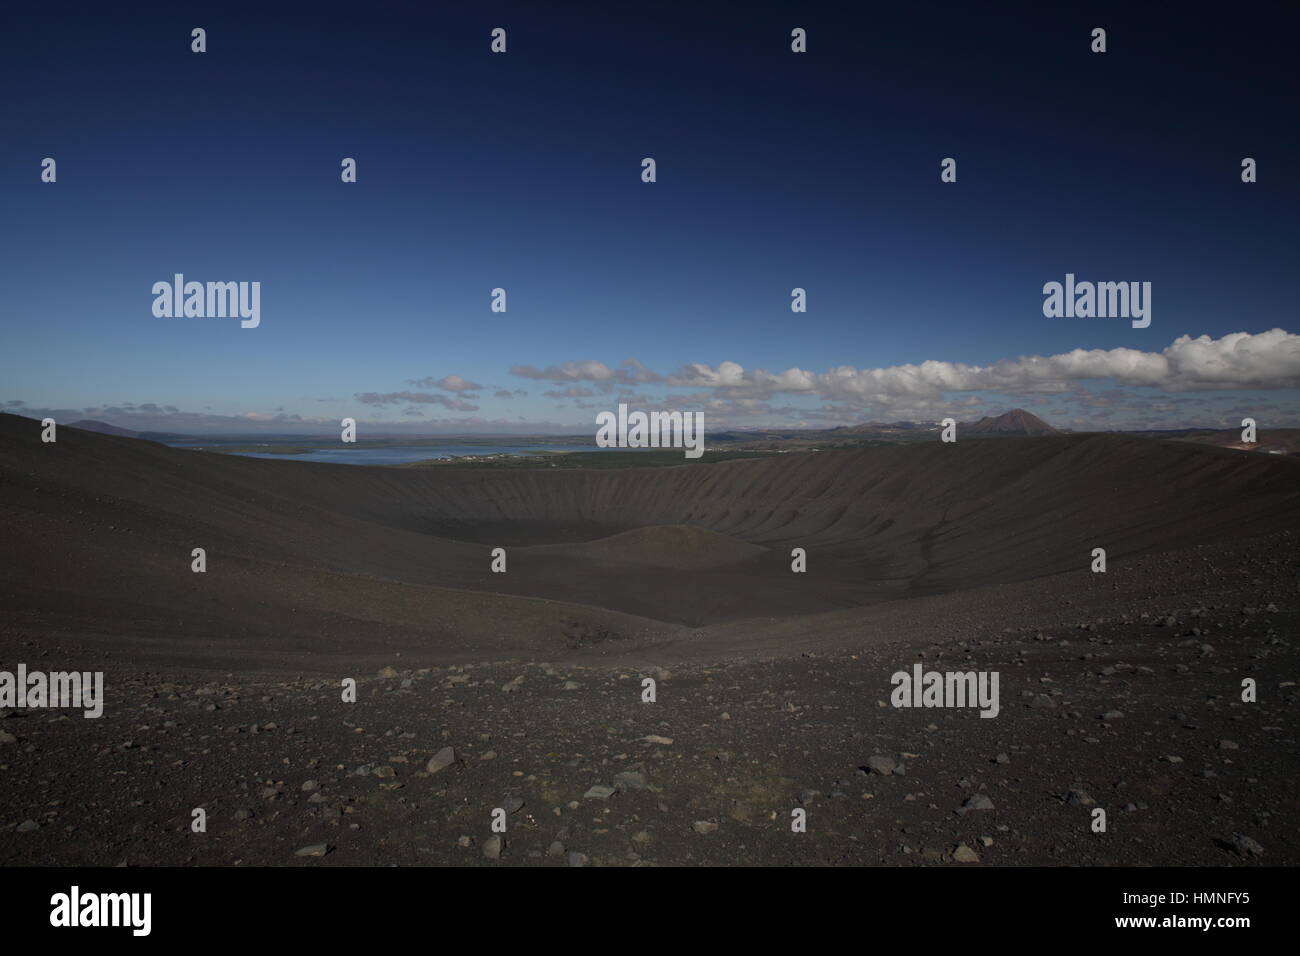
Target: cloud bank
{"type": "Point", "coordinates": [1240, 360]}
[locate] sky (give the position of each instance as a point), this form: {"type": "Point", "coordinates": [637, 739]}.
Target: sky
{"type": "Point", "coordinates": [522, 170]}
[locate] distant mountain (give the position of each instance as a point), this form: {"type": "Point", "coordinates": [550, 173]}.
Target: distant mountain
{"type": "Point", "coordinates": [1015, 422]}
{"type": "Point", "coordinates": [877, 428]}
{"type": "Point", "coordinates": [104, 428]}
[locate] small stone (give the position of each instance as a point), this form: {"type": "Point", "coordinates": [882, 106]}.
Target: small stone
{"type": "Point", "coordinates": [316, 849]}
{"type": "Point", "coordinates": [493, 846]}
{"type": "Point", "coordinates": [964, 854]}
{"type": "Point", "coordinates": [555, 849]}
{"type": "Point", "coordinates": [703, 826]}
{"type": "Point", "coordinates": [1079, 798]}
{"type": "Point", "coordinates": [656, 739]}
{"type": "Point", "coordinates": [599, 792]}
{"type": "Point", "coordinates": [310, 785]}
{"type": "Point", "coordinates": [577, 859]}
{"type": "Point", "coordinates": [1245, 846]}
{"type": "Point", "coordinates": [1228, 745]}
{"type": "Point", "coordinates": [976, 801]}
{"type": "Point", "coordinates": [443, 759]}
{"type": "Point", "coordinates": [880, 764]}
{"type": "Point", "coordinates": [387, 672]}
{"type": "Point", "coordinates": [28, 826]}
{"type": "Point", "coordinates": [631, 780]}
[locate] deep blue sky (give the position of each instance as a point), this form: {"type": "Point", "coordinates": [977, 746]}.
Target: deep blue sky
{"type": "Point", "coordinates": [522, 170]}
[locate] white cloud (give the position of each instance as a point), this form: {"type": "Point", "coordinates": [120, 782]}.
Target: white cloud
{"type": "Point", "coordinates": [449, 383]}
{"type": "Point", "coordinates": [379, 399]}
{"type": "Point", "coordinates": [630, 372]}
{"type": "Point", "coordinates": [1238, 360]}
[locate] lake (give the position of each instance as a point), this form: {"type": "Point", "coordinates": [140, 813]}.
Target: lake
{"type": "Point", "coordinates": [399, 455]}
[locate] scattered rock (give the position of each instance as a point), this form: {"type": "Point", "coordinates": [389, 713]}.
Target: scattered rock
{"type": "Point", "coordinates": [443, 759]}
{"type": "Point", "coordinates": [1079, 798]}
{"type": "Point", "coordinates": [880, 764]}
{"type": "Point", "coordinates": [976, 801]}
{"type": "Point", "coordinates": [964, 854]}
{"type": "Point", "coordinates": [631, 780]}
{"type": "Point", "coordinates": [1245, 846]}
